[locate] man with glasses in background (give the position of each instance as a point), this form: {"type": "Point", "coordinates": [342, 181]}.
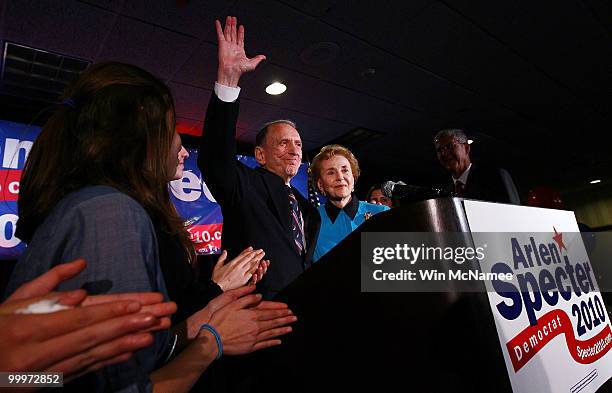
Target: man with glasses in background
{"type": "Point", "coordinates": [469, 180]}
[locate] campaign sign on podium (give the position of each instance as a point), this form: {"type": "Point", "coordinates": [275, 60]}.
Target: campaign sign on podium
{"type": "Point", "coordinates": [551, 322]}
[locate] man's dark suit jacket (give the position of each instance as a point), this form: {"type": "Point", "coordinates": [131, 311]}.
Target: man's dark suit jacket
{"type": "Point", "coordinates": [488, 184]}
{"type": "Point", "coordinates": [254, 202]}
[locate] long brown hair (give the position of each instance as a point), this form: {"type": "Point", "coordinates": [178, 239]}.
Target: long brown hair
{"type": "Point", "coordinates": [112, 129]}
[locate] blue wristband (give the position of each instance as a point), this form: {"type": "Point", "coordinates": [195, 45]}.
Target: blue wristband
{"type": "Point", "coordinates": [217, 338]}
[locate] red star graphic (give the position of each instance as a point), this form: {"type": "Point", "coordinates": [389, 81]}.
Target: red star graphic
{"type": "Point", "coordinates": [559, 239]}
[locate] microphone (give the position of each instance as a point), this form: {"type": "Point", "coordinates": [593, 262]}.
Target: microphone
{"type": "Point", "coordinates": [402, 190]}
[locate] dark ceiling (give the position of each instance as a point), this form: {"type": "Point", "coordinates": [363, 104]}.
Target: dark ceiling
{"type": "Point", "coordinates": [530, 81]}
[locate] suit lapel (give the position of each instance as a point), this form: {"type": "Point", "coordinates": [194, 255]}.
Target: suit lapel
{"type": "Point", "coordinates": [278, 195]}
{"type": "Point", "coordinates": [472, 187]}
{"type": "Point", "coordinates": [449, 187]}
{"type": "Point", "coordinates": [280, 200]}
{"type": "Point", "coordinates": [311, 224]}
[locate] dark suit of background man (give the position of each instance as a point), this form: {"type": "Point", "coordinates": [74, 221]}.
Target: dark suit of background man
{"type": "Point", "coordinates": [470, 180]}
{"type": "Point", "coordinates": [259, 206]}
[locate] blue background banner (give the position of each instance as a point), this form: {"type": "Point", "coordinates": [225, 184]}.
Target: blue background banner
{"type": "Point", "coordinates": [190, 195]}
{"type": "Point", "coordinates": [16, 140]}
{"type": "Point", "coordinates": [197, 206]}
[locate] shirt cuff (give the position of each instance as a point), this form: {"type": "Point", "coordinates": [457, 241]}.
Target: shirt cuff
{"type": "Point", "coordinates": [226, 93]}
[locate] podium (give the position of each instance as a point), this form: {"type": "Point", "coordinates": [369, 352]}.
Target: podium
{"type": "Point", "coordinates": [383, 339]}
{"type": "Point", "coordinates": [346, 340]}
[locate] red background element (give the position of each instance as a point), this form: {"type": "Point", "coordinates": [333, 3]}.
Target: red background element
{"type": "Point", "coordinates": [565, 328]}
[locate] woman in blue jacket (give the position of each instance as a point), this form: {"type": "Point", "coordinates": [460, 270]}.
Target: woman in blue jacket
{"type": "Point", "coordinates": [334, 172]}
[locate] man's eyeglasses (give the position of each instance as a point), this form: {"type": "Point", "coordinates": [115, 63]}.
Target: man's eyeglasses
{"type": "Point", "coordinates": [448, 147]}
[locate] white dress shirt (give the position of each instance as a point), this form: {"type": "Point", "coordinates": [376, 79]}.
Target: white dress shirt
{"type": "Point", "coordinates": [464, 176]}
{"type": "Point", "coordinates": [226, 93]}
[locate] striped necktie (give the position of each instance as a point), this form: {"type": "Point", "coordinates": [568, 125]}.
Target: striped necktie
{"type": "Point", "coordinates": [297, 223]}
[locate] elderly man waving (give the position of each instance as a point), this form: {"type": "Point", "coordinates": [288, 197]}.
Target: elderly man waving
{"type": "Point", "coordinates": [260, 207]}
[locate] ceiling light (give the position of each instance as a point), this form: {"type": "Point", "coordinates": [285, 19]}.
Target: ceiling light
{"type": "Point", "coordinates": [470, 141]}
{"type": "Point", "coordinates": [276, 88]}
{"type": "Point", "coordinates": [595, 181]}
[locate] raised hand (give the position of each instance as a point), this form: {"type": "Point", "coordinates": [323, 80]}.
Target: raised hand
{"type": "Point", "coordinates": [233, 61]}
